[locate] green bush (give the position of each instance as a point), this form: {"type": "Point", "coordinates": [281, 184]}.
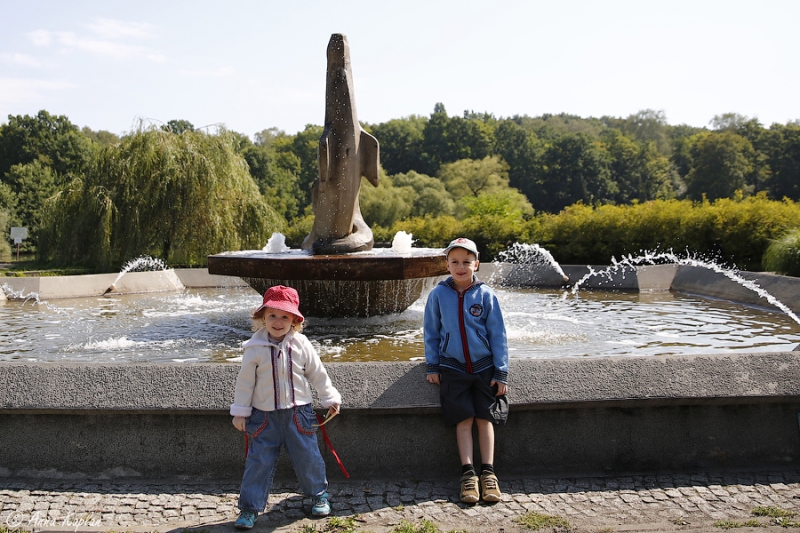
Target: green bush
{"type": "Point", "coordinates": [735, 231]}
{"type": "Point", "coordinates": [783, 255]}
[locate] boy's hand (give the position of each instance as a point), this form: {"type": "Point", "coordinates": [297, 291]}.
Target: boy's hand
{"type": "Point", "coordinates": [434, 378]}
{"type": "Point", "coordinates": [502, 388]}
{"type": "Point", "coordinates": [333, 410]}
{"type": "Point", "coordinates": [239, 422]}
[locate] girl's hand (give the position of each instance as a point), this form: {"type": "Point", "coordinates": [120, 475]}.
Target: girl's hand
{"type": "Point", "coordinates": [502, 388]}
{"type": "Point", "coordinates": [333, 410]}
{"type": "Point", "coordinates": [239, 422]}
{"type": "Point", "coordinates": [434, 378]}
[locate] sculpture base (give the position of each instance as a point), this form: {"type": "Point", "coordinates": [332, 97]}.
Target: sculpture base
{"type": "Point", "coordinates": [335, 299]}
{"type": "Point", "coordinates": [378, 282]}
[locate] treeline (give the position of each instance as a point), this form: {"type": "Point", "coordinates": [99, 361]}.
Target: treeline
{"type": "Point", "coordinates": [495, 178]}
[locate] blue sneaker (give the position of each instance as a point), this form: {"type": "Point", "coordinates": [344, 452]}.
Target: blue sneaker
{"type": "Point", "coordinates": [321, 507]}
{"type": "Point", "coordinates": [246, 520]}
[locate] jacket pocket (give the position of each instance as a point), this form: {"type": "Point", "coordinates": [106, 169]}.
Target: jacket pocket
{"type": "Point", "coordinates": [485, 341]}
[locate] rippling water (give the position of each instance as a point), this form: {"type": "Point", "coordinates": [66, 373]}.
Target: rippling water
{"type": "Point", "coordinates": [209, 325]}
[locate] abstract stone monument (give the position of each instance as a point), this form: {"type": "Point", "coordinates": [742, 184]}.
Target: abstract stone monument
{"type": "Point", "coordinates": [345, 154]}
{"type": "Point", "coordinates": [337, 273]}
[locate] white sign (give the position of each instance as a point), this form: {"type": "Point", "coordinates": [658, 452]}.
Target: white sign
{"type": "Point", "coordinates": [19, 234]}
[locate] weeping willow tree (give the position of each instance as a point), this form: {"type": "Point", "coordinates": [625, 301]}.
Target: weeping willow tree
{"type": "Point", "coordinates": [178, 197]}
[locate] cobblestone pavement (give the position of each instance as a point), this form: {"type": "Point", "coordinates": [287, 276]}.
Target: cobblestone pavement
{"type": "Point", "coordinates": [601, 504]}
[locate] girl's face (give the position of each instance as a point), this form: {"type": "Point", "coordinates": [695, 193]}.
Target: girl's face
{"type": "Point", "coordinates": [278, 323]}
{"type": "Point", "coordinates": [462, 265]}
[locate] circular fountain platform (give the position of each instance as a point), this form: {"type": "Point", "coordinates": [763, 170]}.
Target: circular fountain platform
{"type": "Point", "coordinates": [378, 282]}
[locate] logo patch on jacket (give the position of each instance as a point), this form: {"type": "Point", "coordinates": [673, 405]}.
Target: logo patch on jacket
{"type": "Point", "coordinates": [476, 310]}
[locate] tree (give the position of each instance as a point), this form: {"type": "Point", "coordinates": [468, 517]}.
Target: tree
{"type": "Point", "coordinates": [276, 174]}
{"type": "Point", "coordinates": [385, 204]}
{"type": "Point", "coordinates": [304, 146]}
{"type": "Point", "coordinates": [784, 161]}
{"type": "Point", "coordinates": [649, 125]}
{"type": "Point", "coordinates": [401, 143]}
{"type": "Point", "coordinates": [268, 136]}
{"type": "Point", "coordinates": [430, 195]}
{"type": "Point", "coordinates": [53, 140]}
{"type": "Point", "coordinates": [470, 177]}
{"type": "Point", "coordinates": [639, 171]}
{"type": "Point", "coordinates": [178, 197]}
{"type": "Point", "coordinates": [721, 164]}
{"type": "Point", "coordinates": [573, 169]}
{"type": "Point", "coordinates": [446, 140]}
{"type": "Point", "coordinates": [728, 122]}
{"type": "Point", "coordinates": [32, 184]}
{"type": "Point", "coordinates": [100, 137]}
{"type": "Point", "coordinates": [520, 149]}
{"type": "Point", "coordinates": [178, 126]}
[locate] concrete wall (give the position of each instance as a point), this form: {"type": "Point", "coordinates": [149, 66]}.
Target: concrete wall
{"type": "Point", "coordinates": [568, 416]}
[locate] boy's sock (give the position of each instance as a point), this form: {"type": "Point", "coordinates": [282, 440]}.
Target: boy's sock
{"type": "Point", "coordinates": [487, 468]}
{"type": "Point", "coordinates": [467, 470]}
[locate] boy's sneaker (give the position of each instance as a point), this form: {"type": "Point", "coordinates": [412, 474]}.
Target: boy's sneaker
{"type": "Point", "coordinates": [490, 489]}
{"type": "Point", "coordinates": [469, 488]}
{"type": "Point", "coordinates": [246, 520]}
{"type": "Point", "coordinates": [321, 507]}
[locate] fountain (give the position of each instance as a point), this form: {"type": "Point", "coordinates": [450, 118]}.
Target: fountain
{"type": "Point", "coordinates": [337, 273]}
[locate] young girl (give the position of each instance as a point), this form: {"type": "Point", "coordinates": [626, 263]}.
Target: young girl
{"type": "Point", "coordinates": [273, 405]}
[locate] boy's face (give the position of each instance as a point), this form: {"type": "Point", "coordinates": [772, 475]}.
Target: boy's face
{"type": "Point", "coordinates": [278, 322]}
{"type": "Point", "coordinates": [462, 265]}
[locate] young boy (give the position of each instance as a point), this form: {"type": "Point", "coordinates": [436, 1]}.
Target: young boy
{"type": "Point", "coordinates": [467, 355]}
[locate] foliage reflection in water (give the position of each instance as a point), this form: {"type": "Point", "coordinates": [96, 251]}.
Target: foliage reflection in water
{"type": "Point", "coordinates": [209, 325]}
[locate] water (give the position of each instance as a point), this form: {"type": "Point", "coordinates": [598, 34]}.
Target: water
{"type": "Point", "coordinates": [209, 325]}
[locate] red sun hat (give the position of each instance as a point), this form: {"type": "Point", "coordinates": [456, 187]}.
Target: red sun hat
{"type": "Point", "coordinates": [283, 298]}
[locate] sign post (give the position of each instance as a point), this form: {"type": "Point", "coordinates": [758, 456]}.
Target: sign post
{"type": "Point", "coordinates": [18, 235]}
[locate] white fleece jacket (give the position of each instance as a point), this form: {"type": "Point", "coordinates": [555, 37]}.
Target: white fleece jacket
{"type": "Point", "coordinates": [280, 375]}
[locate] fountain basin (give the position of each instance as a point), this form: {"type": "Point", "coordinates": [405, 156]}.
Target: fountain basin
{"type": "Point", "coordinates": [56, 287]}
{"type": "Point", "coordinates": [362, 284]}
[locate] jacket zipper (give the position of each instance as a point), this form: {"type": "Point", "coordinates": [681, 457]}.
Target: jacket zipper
{"type": "Point", "coordinates": [463, 329]}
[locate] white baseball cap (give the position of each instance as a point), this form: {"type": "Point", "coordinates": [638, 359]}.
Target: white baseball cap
{"type": "Point", "coordinates": [466, 244]}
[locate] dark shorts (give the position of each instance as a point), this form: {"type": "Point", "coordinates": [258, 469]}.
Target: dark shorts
{"type": "Point", "coordinates": [470, 395]}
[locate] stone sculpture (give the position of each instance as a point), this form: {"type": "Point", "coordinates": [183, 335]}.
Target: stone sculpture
{"type": "Point", "coordinates": [345, 154]}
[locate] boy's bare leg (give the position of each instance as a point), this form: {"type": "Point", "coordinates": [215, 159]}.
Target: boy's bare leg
{"type": "Point", "coordinates": [485, 440]}
{"type": "Point", "coordinates": [464, 440]}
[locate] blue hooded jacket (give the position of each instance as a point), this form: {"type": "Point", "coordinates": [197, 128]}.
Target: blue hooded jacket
{"type": "Point", "coordinates": [471, 319]}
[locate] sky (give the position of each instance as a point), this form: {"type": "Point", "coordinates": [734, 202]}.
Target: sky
{"type": "Point", "coordinates": [116, 65]}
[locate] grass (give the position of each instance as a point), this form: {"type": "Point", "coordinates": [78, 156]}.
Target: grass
{"type": "Point", "coordinates": [424, 526]}
{"type": "Point", "coordinates": [536, 521]}
{"type": "Point", "coordinates": [34, 268]}
{"type": "Point", "coordinates": [772, 512]}
{"type": "Point", "coordinates": [730, 524]}
{"type": "Point", "coordinates": [781, 518]}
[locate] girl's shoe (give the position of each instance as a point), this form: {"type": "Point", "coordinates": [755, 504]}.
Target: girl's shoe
{"type": "Point", "coordinates": [246, 520]}
{"type": "Point", "coordinates": [469, 488]}
{"type": "Point", "coordinates": [322, 506]}
{"type": "Point", "coordinates": [490, 489]}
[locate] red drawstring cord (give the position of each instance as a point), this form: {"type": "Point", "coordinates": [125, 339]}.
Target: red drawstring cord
{"type": "Point", "coordinates": [329, 446]}
{"type": "Point", "coordinates": [325, 439]}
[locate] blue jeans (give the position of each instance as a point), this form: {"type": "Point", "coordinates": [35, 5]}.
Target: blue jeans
{"type": "Point", "coordinates": [268, 431]}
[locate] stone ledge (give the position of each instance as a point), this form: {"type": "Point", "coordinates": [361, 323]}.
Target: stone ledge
{"type": "Point", "coordinates": [401, 386]}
